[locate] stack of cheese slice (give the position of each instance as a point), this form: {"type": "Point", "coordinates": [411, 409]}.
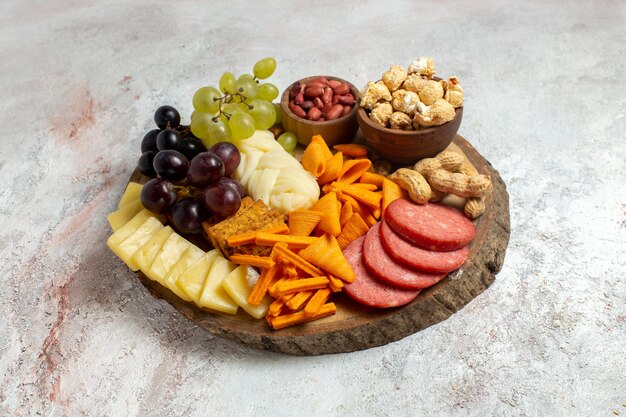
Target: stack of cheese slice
{"type": "Point", "coordinates": [205, 278]}
{"type": "Point", "coordinates": [271, 174]}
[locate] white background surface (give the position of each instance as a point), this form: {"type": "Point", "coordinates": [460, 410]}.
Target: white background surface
{"type": "Point", "coordinates": [545, 97]}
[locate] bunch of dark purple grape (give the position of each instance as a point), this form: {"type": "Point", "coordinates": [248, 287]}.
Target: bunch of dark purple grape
{"type": "Point", "coordinates": [192, 183]}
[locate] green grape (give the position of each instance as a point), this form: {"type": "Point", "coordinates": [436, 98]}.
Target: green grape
{"type": "Point", "coordinates": [193, 114]}
{"type": "Point", "coordinates": [279, 112]}
{"type": "Point", "coordinates": [268, 91]}
{"type": "Point", "coordinates": [200, 125]}
{"type": "Point", "coordinates": [206, 100]}
{"type": "Point", "coordinates": [247, 87]}
{"type": "Point", "coordinates": [263, 113]}
{"type": "Point", "coordinates": [264, 68]}
{"type": "Point", "coordinates": [241, 125]}
{"type": "Point", "coordinates": [246, 77]}
{"type": "Point", "coordinates": [227, 83]}
{"type": "Point", "coordinates": [231, 108]}
{"type": "Point", "coordinates": [218, 132]}
{"type": "Point", "coordinates": [288, 141]}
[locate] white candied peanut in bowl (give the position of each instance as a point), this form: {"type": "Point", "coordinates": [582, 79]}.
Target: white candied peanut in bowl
{"type": "Point", "coordinates": [423, 65]}
{"type": "Point", "coordinates": [405, 101]}
{"type": "Point", "coordinates": [381, 114]}
{"type": "Point", "coordinates": [394, 77]}
{"type": "Point", "coordinates": [373, 93]}
{"type": "Point", "coordinates": [438, 113]}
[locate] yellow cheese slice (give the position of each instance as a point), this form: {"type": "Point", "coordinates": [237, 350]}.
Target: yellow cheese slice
{"type": "Point", "coordinates": [132, 192]}
{"type": "Point", "coordinates": [214, 296]}
{"type": "Point", "coordinates": [144, 257]}
{"type": "Point", "coordinates": [134, 242]}
{"type": "Point", "coordinates": [192, 280]}
{"type": "Point", "coordinates": [170, 253]}
{"type": "Point", "coordinates": [191, 255]}
{"type": "Point", "coordinates": [236, 285]}
{"type": "Point", "coordinates": [129, 228]}
{"type": "Point", "coordinates": [122, 216]}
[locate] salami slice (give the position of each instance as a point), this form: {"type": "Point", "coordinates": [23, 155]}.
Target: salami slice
{"type": "Point", "coordinates": [431, 226]}
{"type": "Point", "coordinates": [368, 290]}
{"type": "Point", "coordinates": [390, 271]}
{"type": "Point", "coordinates": [413, 256]}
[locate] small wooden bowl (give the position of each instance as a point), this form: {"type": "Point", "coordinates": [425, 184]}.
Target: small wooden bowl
{"type": "Point", "coordinates": [406, 147]}
{"type": "Point", "coordinates": [341, 130]}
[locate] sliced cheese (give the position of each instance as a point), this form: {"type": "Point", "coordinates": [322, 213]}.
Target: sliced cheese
{"type": "Point", "coordinates": [122, 233]}
{"type": "Point", "coordinates": [144, 257]}
{"type": "Point", "coordinates": [191, 255]}
{"type": "Point", "coordinates": [214, 296]}
{"type": "Point", "coordinates": [170, 253]}
{"type": "Point", "coordinates": [132, 192]}
{"type": "Point", "coordinates": [192, 280]}
{"type": "Point", "coordinates": [126, 249]}
{"type": "Point", "coordinates": [236, 285]}
{"type": "Point", "coordinates": [122, 216]}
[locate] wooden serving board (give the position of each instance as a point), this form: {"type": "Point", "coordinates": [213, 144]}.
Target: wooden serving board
{"type": "Point", "coordinates": [356, 327]}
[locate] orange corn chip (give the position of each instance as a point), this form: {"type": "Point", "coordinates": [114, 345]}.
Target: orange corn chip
{"type": "Point", "coordinates": [287, 320]}
{"type": "Point", "coordinates": [313, 160]}
{"type": "Point", "coordinates": [391, 192]}
{"type": "Point", "coordinates": [262, 285]}
{"type": "Point", "coordinates": [377, 213]}
{"type": "Point", "coordinates": [273, 289]}
{"type": "Point", "coordinates": [369, 219]}
{"type": "Point", "coordinates": [294, 242]}
{"type": "Point", "coordinates": [317, 301]}
{"type": "Point", "coordinates": [264, 262]}
{"type": "Point", "coordinates": [323, 146]}
{"type": "Point", "coordinates": [297, 260]}
{"type": "Point", "coordinates": [352, 150]}
{"type": "Point", "coordinates": [330, 222]}
{"type": "Point", "coordinates": [370, 198]}
{"type": "Point", "coordinates": [327, 255]}
{"type": "Point", "coordinates": [333, 168]}
{"type": "Point", "coordinates": [353, 169]}
{"type": "Point", "coordinates": [354, 229]}
{"type": "Point", "coordinates": [346, 213]}
{"type": "Point", "coordinates": [298, 300]}
{"type": "Point", "coordinates": [303, 222]}
{"type": "Point", "coordinates": [304, 284]}
{"type": "Point", "coordinates": [364, 186]}
{"type": "Point", "coordinates": [335, 284]}
{"type": "Point", "coordinates": [372, 178]}
{"type": "Point", "coordinates": [248, 238]}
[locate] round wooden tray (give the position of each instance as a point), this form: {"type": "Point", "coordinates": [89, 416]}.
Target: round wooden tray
{"type": "Point", "coordinates": [356, 327]}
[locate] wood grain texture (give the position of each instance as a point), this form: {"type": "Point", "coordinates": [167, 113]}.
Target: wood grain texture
{"type": "Point", "coordinates": [356, 327]}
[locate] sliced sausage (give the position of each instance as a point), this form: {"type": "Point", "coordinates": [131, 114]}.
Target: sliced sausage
{"type": "Point", "coordinates": [431, 226]}
{"type": "Point", "coordinates": [390, 271]}
{"type": "Point", "coordinates": [413, 256]}
{"type": "Point", "coordinates": [368, 290]}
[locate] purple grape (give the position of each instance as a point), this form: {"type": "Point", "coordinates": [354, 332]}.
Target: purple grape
{"type": "Point", "coordinates": [206, 168]}
{"type": "Point", "coordinates": [229, 154]}
{"type": "Point", "coordinates": [188, 215]}
{"type": "Point", "coordinates": [158, 196]}
{"type": "Point", "coordinates": [222, 200]}
{"type": "Point", "coordinates": [168, 139]}
{"type": "Point", "coordinates": [191, 146]}
{"type": "Point", "coordinates": [167, 114]}
{"type": "Point", "coordinates": [145, 163]}
{"type": "Point", "coordinates": [171, 165]}
{"type": "Point", "coordinates": [148, 143]}
{"type": "Point", "coordinates": [236, 185]}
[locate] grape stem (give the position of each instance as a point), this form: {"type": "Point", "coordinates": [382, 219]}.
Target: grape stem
{"type": "Point", "coordinates": [228, 99]}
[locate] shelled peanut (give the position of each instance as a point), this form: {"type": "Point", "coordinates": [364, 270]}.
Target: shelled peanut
{"type": "Point", "coordinates": [321, 99]}
{"type": "Point", "coordinates": [411, 99]}
{"type": "Point", "coordinates": [447, 173]}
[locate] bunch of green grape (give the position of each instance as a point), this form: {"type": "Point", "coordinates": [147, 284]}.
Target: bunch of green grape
{"type": "Point", "coordinates": [238, 107]}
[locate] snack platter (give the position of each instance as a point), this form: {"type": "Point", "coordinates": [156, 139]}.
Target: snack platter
{"type": "Point", "coordinates": [383, 251]}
